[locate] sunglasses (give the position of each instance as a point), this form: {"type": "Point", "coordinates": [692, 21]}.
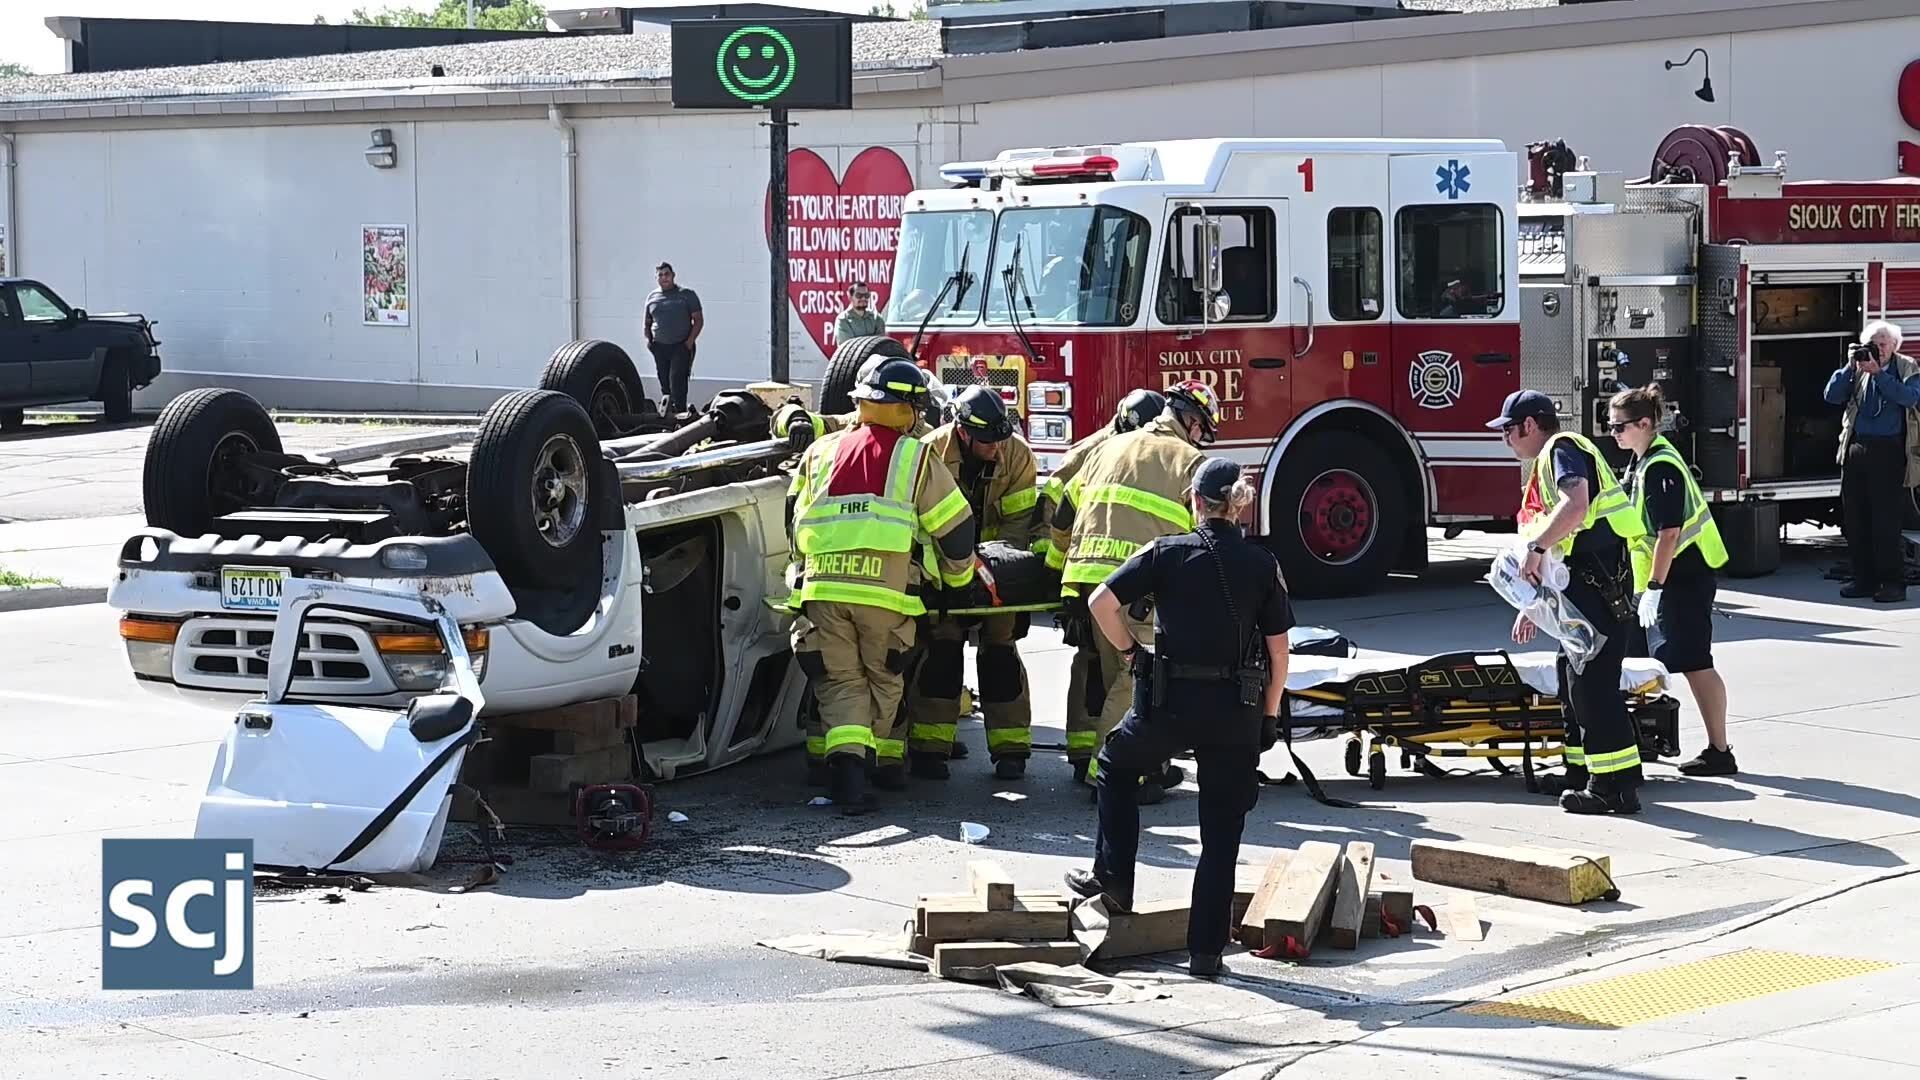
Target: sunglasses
{"type": "Point", "coordinates": [1618, 426]}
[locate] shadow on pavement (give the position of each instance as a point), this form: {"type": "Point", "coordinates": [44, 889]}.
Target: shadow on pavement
{"type": "Point", "coordinates": [36, 432]}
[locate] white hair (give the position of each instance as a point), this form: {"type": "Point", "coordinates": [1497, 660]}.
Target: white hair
{"type": "Point", "coordinates": [1239, 497]}
{"type": "Point", "coordinates": [1874, 328]}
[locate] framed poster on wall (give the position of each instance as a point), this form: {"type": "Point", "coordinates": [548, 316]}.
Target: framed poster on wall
{"type": "Point", "coordinates": [384, 296]}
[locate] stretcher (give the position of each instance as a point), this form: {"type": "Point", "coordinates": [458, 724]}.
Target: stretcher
{"type": "Point", "coordinates": [1495, 706]}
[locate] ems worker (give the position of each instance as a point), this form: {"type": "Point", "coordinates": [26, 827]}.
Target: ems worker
{"type": "Point", "coordinates": [864, 504]}
{"type": "Point", "coordinates": [1217, 671]}
{"type": "Point", "coordinates": [995, 471]}
{"type": "Point", "coordinates": [1131, 490]}
{"type": "Point", "coordinates": [1135, 410]}
{"type": "Point", "coordinates": [1571, 503]}
{"type": "Point", "coordinates": [1673, 566]}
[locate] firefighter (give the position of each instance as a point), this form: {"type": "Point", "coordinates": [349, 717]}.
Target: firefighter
{"type": "Point", "coordinates": [800, 427]}
{"type": "Point", "coordinates": [1131, 491]}
{"type": "Point", "coordinates": [995, 470]}
{"type": "Point", "coordinates": [1571, 503]}
{"type": "Point", "coordinates": [865, 503]}
{"type": "Point", "coordinates": [1076, 628]}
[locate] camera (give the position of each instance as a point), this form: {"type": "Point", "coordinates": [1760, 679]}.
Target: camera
{"type": "Point", "coordinates": [1863, 354]}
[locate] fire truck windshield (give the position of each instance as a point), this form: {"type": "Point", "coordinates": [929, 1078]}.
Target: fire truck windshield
{"type": "Point", "coordinates": [932, 245]}
{"type": "Point", "coordinates": [1070, 265]}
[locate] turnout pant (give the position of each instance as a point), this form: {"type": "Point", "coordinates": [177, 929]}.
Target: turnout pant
{"type": "Point", "coordinates": [1873, 499]}
{"type": "Point", "coordinates": [854, 654]}
{"type": "Point", "coordinates": [1601, 737]}
{"type": "Point", "coordinates": [673, 366]}
{"type": "Point", "coordinates": [1083, 721]}
{"type": "Point", "coordinates": [933, 704]}
{"type": "Point", "coordinates": [1116, 685]}
{"type": "Point", "coordinates": [1229, 787]}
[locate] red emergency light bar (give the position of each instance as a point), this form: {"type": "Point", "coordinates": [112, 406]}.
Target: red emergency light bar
{"type": "Point", "coordinates": [1055, 168]}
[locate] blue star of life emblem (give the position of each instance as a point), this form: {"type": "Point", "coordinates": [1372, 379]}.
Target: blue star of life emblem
{"type": "Point", "coordinates": [1452, 178]}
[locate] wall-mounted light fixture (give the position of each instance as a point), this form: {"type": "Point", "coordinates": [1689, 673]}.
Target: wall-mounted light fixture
{"type": "Point", "coordinates": [1705, 93]}
{"type": "Point", "coordinates": [383, 154]}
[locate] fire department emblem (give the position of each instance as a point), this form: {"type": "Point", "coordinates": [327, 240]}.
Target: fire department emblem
{"type": "Point", "coordinates": [1435, 379]}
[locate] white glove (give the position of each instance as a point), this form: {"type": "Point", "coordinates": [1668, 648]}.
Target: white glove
{"type": "Point", "coordinates": [1650, 608]}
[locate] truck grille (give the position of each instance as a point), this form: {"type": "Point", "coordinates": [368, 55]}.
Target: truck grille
{"type": "Point", "coordinates": [232, 654]}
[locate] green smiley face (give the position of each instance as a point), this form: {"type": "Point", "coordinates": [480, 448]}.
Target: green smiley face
{"type": "Point", "coordinates": [755, 63]}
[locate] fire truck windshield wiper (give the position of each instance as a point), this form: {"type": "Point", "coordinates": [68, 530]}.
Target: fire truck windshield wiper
{"type": "Point", "coordinates": [1016, 282]}
{"type": "Point", "coordinates": [962, 277]}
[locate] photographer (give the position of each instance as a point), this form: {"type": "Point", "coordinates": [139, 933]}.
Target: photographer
{"type": "Point", "coordinates": [1212, 684]}
{"type": "Point", "coordinates": [1879, 435]}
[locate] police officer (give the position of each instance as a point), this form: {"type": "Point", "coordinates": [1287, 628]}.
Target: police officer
{"type": "Point", "coordinates": [1131, 490]}
{"type": "Point", "coordinates": [1572, 503]}
{"type": "Point", "coordinates": [995, 470]}
{"type": "Point", "coordinates": [865, 504]}
{"type": "Point", "coordinates": [1214, 681]}
{"type": "Point", "coordinates": [1137, 409]}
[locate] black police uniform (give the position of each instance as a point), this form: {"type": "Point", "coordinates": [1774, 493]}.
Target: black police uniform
{"type": "Point", "coordinates": [1207, 613]}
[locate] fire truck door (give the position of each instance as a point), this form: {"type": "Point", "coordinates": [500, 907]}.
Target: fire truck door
{"type": "Point", "coordinates": [1223, 312]}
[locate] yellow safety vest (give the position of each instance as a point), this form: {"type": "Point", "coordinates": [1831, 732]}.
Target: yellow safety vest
{"type": "Point", "coordinates": [1697, 529]}
{"type": "Point", "coordinates": [1610, 502]}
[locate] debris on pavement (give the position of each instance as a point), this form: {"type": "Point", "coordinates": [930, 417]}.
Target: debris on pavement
{"type": "Point", "coordinates": [973, 832]}
{"type": "Point", "coordinates": [677, 817]}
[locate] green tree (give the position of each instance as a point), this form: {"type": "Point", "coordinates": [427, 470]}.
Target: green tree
{"type": "Point", "coordinates": [887, 11]}
{"type": "Point", "coordinates": [11, 70]}
{"type": "Point", "coordinates": [487, 15]}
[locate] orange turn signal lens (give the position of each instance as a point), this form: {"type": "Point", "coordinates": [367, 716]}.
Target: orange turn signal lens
{"type": "Point", "coordinates": [417, 644]}
{"type": "Point", "coordinates": [159, 631]}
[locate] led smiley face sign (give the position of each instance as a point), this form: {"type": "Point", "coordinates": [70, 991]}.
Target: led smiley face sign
{"type": "Point", "coordinates": [755, 63]}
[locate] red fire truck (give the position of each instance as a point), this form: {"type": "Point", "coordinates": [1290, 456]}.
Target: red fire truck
{"type": "Point", "coordinates": [1362, 307]}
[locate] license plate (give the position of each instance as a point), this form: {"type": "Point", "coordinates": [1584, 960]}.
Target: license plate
{"type": "Point", "coordinates": [251, 588]}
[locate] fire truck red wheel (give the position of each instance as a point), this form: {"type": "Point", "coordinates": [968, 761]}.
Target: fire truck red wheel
{"type": "Point", "coordinates": [1339, 515]}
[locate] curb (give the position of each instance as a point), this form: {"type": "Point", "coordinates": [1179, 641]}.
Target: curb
{"type": "Point", "coordinates": [35, 598]}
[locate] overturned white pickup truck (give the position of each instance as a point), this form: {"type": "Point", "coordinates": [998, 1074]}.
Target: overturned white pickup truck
{"type": "Point", "coordinates": [585, 546]}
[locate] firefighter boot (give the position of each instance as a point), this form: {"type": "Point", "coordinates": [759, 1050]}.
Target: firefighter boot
{"type": "Point", "coordinates": [1575, 779]}
{"type": "Point", "coordinates": [928, 766]}
{"type": "Point", "coordinates": [890, 776]}
{"type": "Point", "coordinates": [1602, 795]}
{"type": "Point", "coordinates": [850, 784]}
{"type": "Point", "coordinates": [1010, 768]}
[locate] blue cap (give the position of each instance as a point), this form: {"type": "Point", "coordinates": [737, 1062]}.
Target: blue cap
{"type": "Point", "coordinates": [1520, 405]}
{"type": "Point", "coordinates": [1215, 478]}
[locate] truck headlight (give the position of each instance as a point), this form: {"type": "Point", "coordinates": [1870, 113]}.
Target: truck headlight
{"type": "Point", "coordinates": [1050, 430]}
{"type": "Point", "coordinates": [417, 663]}
{"type": "Point", "coordinates": [149, 641]}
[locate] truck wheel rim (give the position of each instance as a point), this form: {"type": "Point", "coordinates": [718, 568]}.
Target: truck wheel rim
{"type": "Point", "coordinates": [1338, 517]}
{"type": "Point", "coordinates": [608, 400]}
{"type": "Point", "coordinates": [225, 482]}
{"type": "Point", "coordinates": [559, 491]}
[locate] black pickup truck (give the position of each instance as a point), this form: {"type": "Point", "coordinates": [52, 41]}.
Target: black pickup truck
{"type": "Point", "coordinates": [51, 354]}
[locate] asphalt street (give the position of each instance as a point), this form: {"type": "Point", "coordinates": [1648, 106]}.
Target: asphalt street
{"type": "Point", "coordinates": [648, 963]}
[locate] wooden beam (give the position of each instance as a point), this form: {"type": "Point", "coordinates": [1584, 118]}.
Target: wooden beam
{"type": "Point", "coordinates": [1160, 926]}
{"type": "Point", "coordinates": [1253, 920]}
{"type": "Point", "coordinates": [1463, 919]}
{"type": "Point", "coordinates": [1554, 877]}
{"type": "Point", "coordinates": [951, 957]}
{"type": "Point", "coordinates": [1350, 895]}
{"type": "Point", "coordinates": [1299, 909]}
{"type": "Point", "coordinates": [1396, 902]}
{"type": "Point", "coordinates": [557, 773]}
{"type": "Point", "coordinates": [991, 883]}
{"type": "Point", "coordinates": [969, 919]}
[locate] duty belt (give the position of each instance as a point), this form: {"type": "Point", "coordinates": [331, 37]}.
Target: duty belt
{"type": "Point", "coordinates": [1200, 672]}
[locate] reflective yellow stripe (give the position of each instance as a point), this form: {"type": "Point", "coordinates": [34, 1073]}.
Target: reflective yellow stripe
{"type": "Point", "coordinates": [1055, 489]}
{"type": "Point", "coordinates": [1056, 558]}
{"type": "Point", "coordinates": [889, 749]}
{"type": "Point", "coordinates": [1089, 572]}
{"type": "Point", "coordinates": [1616, 761]}
{"type": "Point", "coordinates": [847, 592]}
{"type": "Point", "coordinates": [817, 746]}
{"type": "Point", "coordinates": [1609, 502]}
{"type": "Point", "coordinates": [1042, 547]}
{"type": "Point", "coordinates": [848, 735]}
{"type": "Point", "coordinates": [1020, 501]}
{"type": "Point", "coordinates": [958, 580]}
{"type": "Point", "coordinates": [1002, 738]}
{"type": "Point", "coordinates": [1082, 740]}
{"type": "Point", "coordinates": [939, 734]}
{"type": "Point", "coordinates": [1159, 506]}
{"type": "Point", "coordinates": [1574, 755]}
{"type": "Point", "coordinates": [1697, 530]}
{"type": "Point", "coordinates": [944, 512]}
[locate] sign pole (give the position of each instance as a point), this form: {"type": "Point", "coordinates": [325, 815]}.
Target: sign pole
{"type": "Point", "coordinates": [777, 166]}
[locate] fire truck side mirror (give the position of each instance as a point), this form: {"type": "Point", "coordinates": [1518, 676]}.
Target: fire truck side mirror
{"type": "Point", "coordinates": [1207, 258]}
{"type": "Point", "coordinates": [1219, 307]}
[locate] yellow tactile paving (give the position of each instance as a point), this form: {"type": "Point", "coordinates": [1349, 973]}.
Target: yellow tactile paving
{"type": "Point", "coordinates": [1625, 1000]}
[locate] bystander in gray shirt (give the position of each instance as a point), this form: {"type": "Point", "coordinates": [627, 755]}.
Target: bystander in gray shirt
{"type": "Point", "coordinates": [672, 313]}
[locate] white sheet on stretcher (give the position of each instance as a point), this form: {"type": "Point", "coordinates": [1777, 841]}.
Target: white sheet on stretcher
{"type": "Point", "coordinates": [1535, 668]}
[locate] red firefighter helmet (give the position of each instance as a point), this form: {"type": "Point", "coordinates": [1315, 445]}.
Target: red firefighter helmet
{"type": "Point", "coordinates": [1197, 400]}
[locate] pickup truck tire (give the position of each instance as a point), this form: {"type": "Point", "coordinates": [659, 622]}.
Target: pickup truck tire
{"type": "Point", "coordinates": [533, 489]}
{"type": "Point", "coordinates": [837, 388]}
{"type": "Point", "coordinates": [1339, 515]}
{"type": "Point", "coordinates": [190, 476]}
{"type": "Point", "coordinates": [12, 419]}
{"type": "Point", "coordinates": [116, 388]}
{"type": "Point", "coordinates": [601, 377]}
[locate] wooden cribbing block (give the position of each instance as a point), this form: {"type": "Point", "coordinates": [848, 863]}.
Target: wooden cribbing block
{"type": "Point", "coordinates": [1299, 909]}
{"type": "Point", "coordinates": [991, 883]}
{"type": "Point", "coordinates": [1397, 903]}
{"type": "Point", "coordinates": [555, 774]}
{"type": "Point", "coordinates": [949, 957]}
{"type": "Point", "coordinates": [968, 919]}
{"type": "Point", "coordinates": [1350, 895]}
{"type": "Point", "coordinates": [603, 717]}
{"type": "Point", "coordinates": [1463, 919]}
{"type": "Point", "coordinates": [574, 742]}
{"type": "Point", "coordinates": [1253, 915]}
{"type": "Point", "coordinates": [1554, 877]}
{"type": "Point", "coordinates": [1160, 926]}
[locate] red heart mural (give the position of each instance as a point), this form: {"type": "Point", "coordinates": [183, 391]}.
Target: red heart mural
{"type": "Point", "coordinates": [839, 231]}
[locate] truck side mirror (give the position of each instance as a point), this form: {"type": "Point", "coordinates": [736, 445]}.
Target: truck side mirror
{"type": "Point", "coordinates": [1203, 256]}
{"type": "Point", "coordinates": [79, 314]}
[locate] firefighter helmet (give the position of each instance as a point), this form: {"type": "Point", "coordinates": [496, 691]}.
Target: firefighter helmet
{"type": "Point", "coordinates": [980, 412]}
{"type": "Point", "coordinates": [1195, 400]}
{"type": "Point", "coordinates": [1138, 407]}
{"type": "Point", "coordinates": [896, 380]}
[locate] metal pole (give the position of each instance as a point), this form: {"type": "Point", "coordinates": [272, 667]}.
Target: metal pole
{"type": "Point", "coordinates": [469, 14]}
{"type": "Point", "coordinates": [777, 165]}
